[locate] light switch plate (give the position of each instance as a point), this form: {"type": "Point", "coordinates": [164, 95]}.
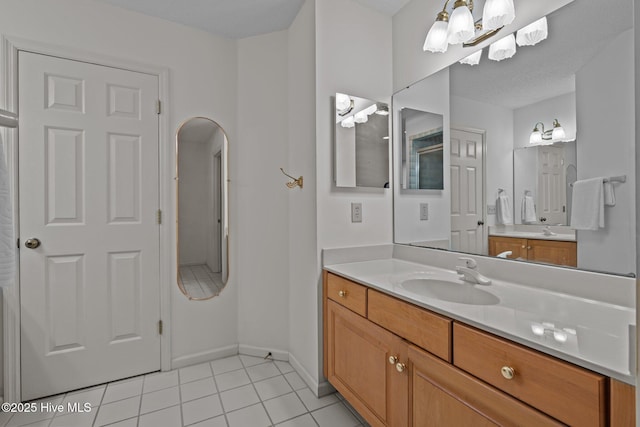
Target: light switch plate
{"type": "Point", "coordinates": [491, 209]}
{"type": "Point", "coordinates": [356, 212]}
{"type": "Point", "coordinates": [424, 211]}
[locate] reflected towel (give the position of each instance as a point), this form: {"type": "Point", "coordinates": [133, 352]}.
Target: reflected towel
{"type": "Point", "coordinates": [528, 214]}
{"type": "Point", "coordinates": [503, 209]}
{"type": "Point", "coordinates": [7, 240]}
{"type": "Point", "coordinates": [587, 210]}
{"type": "Point", "coordinates": [609, 194]}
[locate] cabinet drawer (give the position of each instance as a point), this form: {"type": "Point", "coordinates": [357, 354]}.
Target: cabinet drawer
{"type": "Point", "coordinates": [423, 328]}
{"type": "Point", "coordinates": [568, 393]}
{"type": "Point", "coordinates": [347, 293]}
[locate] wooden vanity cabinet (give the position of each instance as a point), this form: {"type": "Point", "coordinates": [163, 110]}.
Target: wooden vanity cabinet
{"type": "Point", "coordinates": [419, 368]}
{"type": "Point", "coordinates": [548, 251]}
{"type": "Point", "coordinates": [367, 365]}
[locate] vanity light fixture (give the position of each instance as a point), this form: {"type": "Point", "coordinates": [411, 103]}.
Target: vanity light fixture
{"type": "Point", "coordinates": [382, 110]}
{"type": "Point", "coordinates": [539, 135]}
{"type": "Point", "coordinates": [344, 104]}
{"type": "Point", "coordinates": [359, 117]}
{"type": "Point", "coordinates": [461, 28]}
{"type": "Point", "coordinates": [533, 33]}
{"type": "Point", "coordinates": [473, 59]}
{"type": "Point", "coordinates": [503, 49]}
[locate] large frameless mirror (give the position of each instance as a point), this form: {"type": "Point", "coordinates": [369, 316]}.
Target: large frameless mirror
{"type": "Point", "coordinates": [202, 223]}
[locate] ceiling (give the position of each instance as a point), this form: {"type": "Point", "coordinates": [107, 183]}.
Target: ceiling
{"type": "Point", "coordinates": [236, 18]}
{"type": "Point", "coordinates": [576, 33]}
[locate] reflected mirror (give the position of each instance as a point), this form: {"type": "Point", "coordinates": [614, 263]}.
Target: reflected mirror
{"type": "Point", "coordinates": [203, 231]}
{"type": "Point", "coordinates": [422, 150]}
{"type": "Point", "coordinates": [361, 146]}
{"type": "Point", "coordinates": [504, 196]}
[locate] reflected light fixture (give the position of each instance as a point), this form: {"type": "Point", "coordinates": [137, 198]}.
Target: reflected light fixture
{"type": "Point", "coordinates": [503, 49]}
{"type": "Point", "coordinates": [344, 104]}
{"type": "Point", "coordinates": [382, 110]}
{"type": "Point", "coordinates": [361, 116]}
{"type": "Point", "coordinates": [533, 33]}
{"type": "Point", "coordinates": [473, 59]}
{"type": "Point", "coordinates": [541, 136]}
{"type": "Point", "coordinates": [460, 27]}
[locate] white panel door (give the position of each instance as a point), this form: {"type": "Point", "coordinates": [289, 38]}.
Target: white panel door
{"type": "Point", "coordinates": [88, 182]}
{"type": "Point", "coordinates": [467, 200]}
{"type": "Point", "coordinates": [551, 185]}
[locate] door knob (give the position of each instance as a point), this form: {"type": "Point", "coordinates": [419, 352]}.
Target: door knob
{"type": "Point", "coordinates": [32, 243]}
{"type": "Point", "coordinates": [480, 222]}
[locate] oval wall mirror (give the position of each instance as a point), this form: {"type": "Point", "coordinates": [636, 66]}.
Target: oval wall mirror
{"type": "Point", "coordinates": [203, 208]}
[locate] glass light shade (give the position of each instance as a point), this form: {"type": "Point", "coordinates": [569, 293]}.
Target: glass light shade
{"type": "Point", "coordinates": [558, 134]}
{"type": "Point", "coordinates": [348, 122]}
{"type": "Point", "coordinates": [533, 34]}
{"type": "Point", "coordinates": [503, 49]}
{"type": "Point", "coordinates": [370, 109]}
{"type": "Point", "coordinates": [473, 59]}
{"type": "Point", "coordinates": [497, 13]}
{"type": "Point", "coordinates": [436, 40]}
{"type": "Point", "coordinates": [461, 25]}
{"type": "Point", "coordinates": [360, 117]}
{"type": "Point", "coordinates": [343, 102]}
{"type": "Point", "coordinates": [536, 137]}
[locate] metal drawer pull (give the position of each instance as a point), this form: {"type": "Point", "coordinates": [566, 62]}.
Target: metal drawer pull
{"type": "Point", "coordinates": [393, 360]}
{"type": "Point", "coordinates": [400, 367]}
{"type": "Point", "coordinates": [342, 294]}
{"type": "Point", "coordinates": [508, 372]}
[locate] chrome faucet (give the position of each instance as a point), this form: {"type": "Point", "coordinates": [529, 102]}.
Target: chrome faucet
{"type": "Point", "coordinates": [547, 231]}
{"type": "Point", "coordinates": [469, 273]}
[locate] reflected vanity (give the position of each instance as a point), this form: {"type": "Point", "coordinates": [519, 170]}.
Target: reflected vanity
{"type": "Point", "coordinates": [203, 208]}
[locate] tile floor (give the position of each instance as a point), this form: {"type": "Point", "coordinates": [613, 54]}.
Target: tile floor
{"type": "Point", "coordinates": [238, 391]}
{"type": "Point", "coordinates": [199, 281]}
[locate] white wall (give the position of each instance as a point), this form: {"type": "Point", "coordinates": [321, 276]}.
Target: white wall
{"type": "Point", "coordinates": [353, 55]}
{"type": "Point", "coordinates": [263, 214]}
{"type": "Point", "coordinates": [606, 147]}
{"type": "Point", "coordinates": [498, 124]}
{"type": "Point", "coordinates": [203, 80]}
{"type": "Point", "coordinates": [430, 95]}
{"type": "Point", "coordinates": [304, 335]}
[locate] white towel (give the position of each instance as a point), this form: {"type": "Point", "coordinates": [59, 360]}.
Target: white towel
{"type": "Point", "coordinates": [528, 211]}
{"type": "Point", "coordinates": [503, 209]}
{"type": "Point", "coordinates": [587, 210]}
{"type": "Point", "coordinates": [7, 239]}
{"type": "Point", "coordinates": [609, 194]}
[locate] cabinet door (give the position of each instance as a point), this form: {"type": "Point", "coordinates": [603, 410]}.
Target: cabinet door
{"type": "Point", "coordinates": [553, 252]}
{"type": "Point", "coordinates": [442, 395]}
{"type": "Point", "coordinates": [498, 245]}
{"type": "Point", "coordinates": [359, 367]}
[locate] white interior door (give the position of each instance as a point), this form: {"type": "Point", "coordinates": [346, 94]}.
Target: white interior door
{"type": "Point", "coordinates": [467, 199]}
{"type": "Point", "coordinates": [88, 179]}
{"type": "Point", "coordinates": [551, 185]}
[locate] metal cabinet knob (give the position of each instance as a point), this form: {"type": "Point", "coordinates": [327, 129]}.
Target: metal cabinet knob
{"type": "Point", "coordinates": [393, 360]}
{"type": "Point", "coordinates": [507, 372]}
{"type": "Point", "coordinates": [32, 243]}
{"type": "Point", "coordinates": [400, 367]}
{"type": "Point", "coordinates": [342, 294]}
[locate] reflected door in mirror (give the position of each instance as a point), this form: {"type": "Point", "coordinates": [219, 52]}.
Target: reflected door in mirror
{"type": "Point", "coordinates": [202, 150]}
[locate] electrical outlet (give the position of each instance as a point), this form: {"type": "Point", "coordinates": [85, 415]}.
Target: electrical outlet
{"type": "Point", "coordinates": [491, 209]}
{"type": "Point", "coordinates": [356, 212]}
{"type": "Point", "coordinates": [424, 211]}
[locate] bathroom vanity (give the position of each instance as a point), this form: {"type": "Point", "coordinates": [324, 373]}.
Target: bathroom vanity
{"type": "Point", "coordinates": [558, 248]}
{"type": "Point", "coordinates": [405, 353]}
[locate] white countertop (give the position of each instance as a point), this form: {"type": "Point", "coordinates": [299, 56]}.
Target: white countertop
{"type": "Point", "coordinates": [603, 331]}
{"type": "Point", "coordinates": [527, 231]}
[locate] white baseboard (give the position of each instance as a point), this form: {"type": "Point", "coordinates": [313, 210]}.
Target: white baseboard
{"type": "Point", "coordinates": [319, 389]}
{"type": "Point", "coordinates": [205, 356]}
{"type": "Point", "coordinates": [250, 350]}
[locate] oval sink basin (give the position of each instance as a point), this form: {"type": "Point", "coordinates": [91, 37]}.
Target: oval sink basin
{"type": "Point", "coordinates": [462, 293]}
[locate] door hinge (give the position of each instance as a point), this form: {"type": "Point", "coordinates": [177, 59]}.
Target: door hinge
{"type": "Point", "coordinates": [160, 327]}
{"type": "Point", "coordinates": [159, 216]}
{"type": "Point", "coordinates": [158, 106]}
